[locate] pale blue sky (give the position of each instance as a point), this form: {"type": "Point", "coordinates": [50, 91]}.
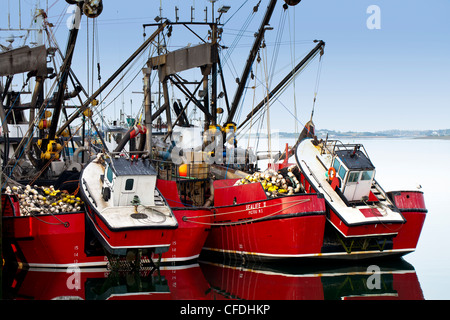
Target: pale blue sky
{"type": "Point", "coordinates": [397, 77]}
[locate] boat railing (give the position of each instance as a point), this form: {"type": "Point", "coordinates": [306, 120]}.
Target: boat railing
{"type": "Point", "coordinates": [336, 145]}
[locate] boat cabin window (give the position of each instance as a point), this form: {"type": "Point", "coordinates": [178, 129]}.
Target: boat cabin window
{"type": "Point", "coordinates": [340, 169]}
{"type": "Point", "coordinates": [367, 175]}
{"type": "Point", "coordinates": [353, 176]}
{"type": "Point", "coordinates": [342, 172]}
{"type": "Point", "coordinates": [109, 174]}
{"type": "Point", "coordinates": [336, 164]}
{"type": "Point", "coordinates": [129, 183]}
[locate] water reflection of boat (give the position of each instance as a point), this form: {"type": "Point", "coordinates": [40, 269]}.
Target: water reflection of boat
{"type": "Point", "coordinates": [169, 283]}
{"type": "Point", "coordinates": [390, 280]}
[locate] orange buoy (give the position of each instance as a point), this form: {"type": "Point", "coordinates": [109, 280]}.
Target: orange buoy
{"type": "Point", "coordinates": [331, 173]}
{"type": "Point", "coordinates": [182, 170]}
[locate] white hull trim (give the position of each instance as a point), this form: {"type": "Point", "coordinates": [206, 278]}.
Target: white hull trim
{"type": "Point", "coordinates": [363, 235]}
{"type": "Point", "coordinates": [68, 265]}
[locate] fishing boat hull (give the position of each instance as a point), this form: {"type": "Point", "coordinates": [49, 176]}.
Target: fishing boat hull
{"type": "Point", "coordinates": [47, 240]}
{"type": "Point", "coordinates": [194, 225]}
{"type": "Point", "coordinates": [249, 225]}
{"type": "Point", "coordinates": [188, 239]}
{"type": "Point", "coordinates": [412, 206]}
{"type": "Point", "coordinates": [120, 240]}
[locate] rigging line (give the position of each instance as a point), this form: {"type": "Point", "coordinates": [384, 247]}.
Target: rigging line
{"type": "Point", "coordinates": [316, 89]}
{"type": "Point", "coordinates": [261, 114]}
{"type": "Point", "coordinates": [93, 54]}
{"type": "Point", "coordinates": [238, 37]}
{"type": "Point", "coordinates": [253, 106]}
{"type": "Point", "coordinates": [234, 44]}
{"type": "Point", "coordinates": [120, 93]}
{"type": "Point", "coordinates": [269, 139]}
{"type": "Point", "coordinates": [128, 70]}
{"type": "Point", "coordinates": [277, 45]}
{"type": "Point", "coordinates": [292, 38]}
{"type": "Point", "coordinates": [261, 122]}
{"type": "Point", "coordinates": [30, 137]}
{"type": "Point", "coordinates": [238, 116]}
{"type": "Point", "coordinates": [87, 58]}
{"type": "Point", "coordinates": [12, 106]}
{"type": "Point", "coordinates": [215, 214]}
{"type": "Point", "coordinates": [58, 19]}
{"type": "Point", "coordinates": [237, 11]}
{"type": "Point", "coordinates": [32, 126]}
{"type": "Point", "coordinates": [277, 95]}
{"type": "Point", "coordinates": [249, 220]}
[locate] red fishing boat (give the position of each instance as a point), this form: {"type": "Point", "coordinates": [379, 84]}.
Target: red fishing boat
{"type": "Point", "coordinates": [252, 218]}
{"type": "Point", "coordinates": [249, 224]}
{"type": "Point", "coordinates": [59, 240]}
{"type": "Point", "coordinates": [50, 235]}
{"type": "Point", "coordinates": [363, 221]}
{"type": "Point", "coordinates": [128, 212]}
{"type": "Point", "coordinates": [49, 240]}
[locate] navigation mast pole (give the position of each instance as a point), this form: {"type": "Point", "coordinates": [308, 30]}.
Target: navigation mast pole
{"type": "Point", "coordinates": [250, 60]}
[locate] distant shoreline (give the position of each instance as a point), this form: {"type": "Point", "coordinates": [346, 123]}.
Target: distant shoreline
{"type": "Point", "coordinates": [433, 137]}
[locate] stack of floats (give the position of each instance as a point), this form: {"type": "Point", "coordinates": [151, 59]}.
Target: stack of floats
{"type": "Point", "coordinates": [42, 200]}
{"type": "Point", "coordinates": [275, 183]}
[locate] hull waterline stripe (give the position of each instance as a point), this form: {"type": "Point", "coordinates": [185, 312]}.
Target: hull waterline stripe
{"type": "Point", "coordinates": [309, 255]}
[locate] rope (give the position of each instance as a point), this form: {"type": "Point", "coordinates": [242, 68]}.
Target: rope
{"type": "Point", "coordinates": [245, 221]}
{"type": "Point", "coordinates": [65, 224]}
{"type": "Point", "coordinates": [76, 191]}
{"type": "Point", "coordinates": [383, 207]}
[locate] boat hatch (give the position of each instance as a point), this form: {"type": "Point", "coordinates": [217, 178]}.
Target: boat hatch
{"type": "Point", "coordinates": [355, 172]}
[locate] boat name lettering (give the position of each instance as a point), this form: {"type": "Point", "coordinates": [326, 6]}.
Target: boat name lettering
{"type": "Point", "coordinates": [255, 207]}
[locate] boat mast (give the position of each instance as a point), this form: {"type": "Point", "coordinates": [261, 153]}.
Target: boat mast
{"type": "Point", "coordinates": [207, 53]}
{"type": "Point", "coordinates": [62, 83]}
{"type": "Point", "coordinates": [92, 9]}
{"type": "Point", "coordinates": [250, 60]}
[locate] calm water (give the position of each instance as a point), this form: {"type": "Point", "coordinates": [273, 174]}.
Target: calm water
{"type": "Point", "coordinates": [400, 164]}
{"type": "Point", "coordinates": [407, 162]}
